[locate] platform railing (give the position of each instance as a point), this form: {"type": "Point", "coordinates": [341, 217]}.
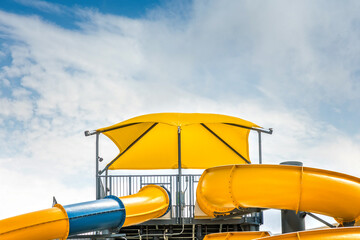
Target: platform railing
{"type": "Point", "coordinates": [123, 185]}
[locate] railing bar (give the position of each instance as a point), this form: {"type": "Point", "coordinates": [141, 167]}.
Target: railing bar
{"type": "Point", "coordinates": [171, 212]}
{"type": "Point", "coordinates": [191, 195]}
{"type": "Point", "coordinates": [116, 186]}
{"type": "Point", "coordinates": [196, 175]}
{"type": "Point", "coordinates": [110, 185]}
{"type": "Point", "coordinates": [158, 183]}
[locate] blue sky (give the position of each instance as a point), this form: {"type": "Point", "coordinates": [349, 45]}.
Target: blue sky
{"type": "Point", "coordinates": [66, 67]}
{"type": "Point", "coordinates": [128, 8]}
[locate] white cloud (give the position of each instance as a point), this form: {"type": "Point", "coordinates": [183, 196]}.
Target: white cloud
{"type": "Point", "coordinates": [18, 109]}
{"type": "Point", "coordinates": [43, 6]}
{"type": "Point", "coordinates": [30, 192]}
{"type": "Point", "coordinates": [262, 63]}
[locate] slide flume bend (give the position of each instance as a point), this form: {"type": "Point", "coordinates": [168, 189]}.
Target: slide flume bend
{"type": "Point", "coordinates": [346, 233]}
{"type": "Point", "coordinates": [59, 222]}
{"type": "Point", "coordinates": [226, 188]}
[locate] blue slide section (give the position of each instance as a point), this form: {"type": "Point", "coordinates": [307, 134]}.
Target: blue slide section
{"type": "Point", "coordinates": [107, 213]}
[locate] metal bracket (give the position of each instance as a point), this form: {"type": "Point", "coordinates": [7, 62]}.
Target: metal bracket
{"type": "Point", "coordinates": [89, 133]}
{"type": "Point", "coordinates": [54, 201]}
{"type": "Point", "coordinates": [321, 220]}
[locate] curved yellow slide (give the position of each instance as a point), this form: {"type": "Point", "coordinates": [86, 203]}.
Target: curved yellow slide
{"type": "Point", "coordinates": [225, 188]}
{"type": "Point", "coordinates": [50, 223]}
{"type": "Point", "coordinates": [59, 222]}
{"type": "Point", "coordinates": [150, 202]}
{"type": "Point", "coordinates": [347, 233]}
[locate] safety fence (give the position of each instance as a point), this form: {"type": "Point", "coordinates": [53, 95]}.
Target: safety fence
{"type": "Point", "coordinates": [182, 205]}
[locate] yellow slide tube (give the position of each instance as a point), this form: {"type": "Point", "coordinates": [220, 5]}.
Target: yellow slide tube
{"type": "Point", "coordinates": [348, 233]}
{"type": "Point", "coordinates": [50, 223]}
{"type": "Point", "coordinates": [150, 202]}
{"type": "Point", "coordinates": [225, 188]}
{"type": "Point", "coordinates": [236, 235]}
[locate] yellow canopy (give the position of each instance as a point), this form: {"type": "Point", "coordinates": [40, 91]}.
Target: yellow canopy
{"type": "Point", "coordinates": [163, 140]}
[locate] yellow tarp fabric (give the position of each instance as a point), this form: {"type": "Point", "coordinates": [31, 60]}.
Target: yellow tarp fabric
{"type": "Point", "coordinates": [151, 141]}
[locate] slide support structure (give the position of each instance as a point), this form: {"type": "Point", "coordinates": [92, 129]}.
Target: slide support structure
{"type": "Point", "coordinates": [292, 221]}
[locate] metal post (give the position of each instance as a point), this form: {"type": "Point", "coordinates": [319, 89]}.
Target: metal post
{"type": "Point", "coordinates": [106, 183]}
{"type": "Point", "coordinates": [97, 183]}
{"type": "Point", "coordinates": [179, 203]}
{"type": "Point", "coordinates": [130, 190]}
{"type": "Point", "coordinates": [107, 232]}
{"type": "Point", "coordinates": [199, 232]}
{"type": "Point", "coordinates": [260, 153]}
{"type": "Point", "coordinates": [290, 220]}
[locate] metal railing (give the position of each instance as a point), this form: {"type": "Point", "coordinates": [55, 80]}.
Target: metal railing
{"type": "Point", "coordinates": [182, 205]}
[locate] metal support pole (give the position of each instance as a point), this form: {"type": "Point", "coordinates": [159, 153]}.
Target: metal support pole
{"type": "Point", "coordinates": [107, 232]}
{"type": "Point", "coordinates": [199, 232]}
{"type": "Point", "coordinates": [260, 152]}
{"type": "Point", "coordinates": [106, 183]}
{"type": "Point", "coordinates": [179, 203]}
{"type": "Point", "coordinates": [290, 220]}
{"type": "Point", "coordinates": [97, 181]}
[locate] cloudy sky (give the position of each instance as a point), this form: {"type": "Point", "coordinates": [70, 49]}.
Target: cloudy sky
{"type": "Point", "coordinates": [66, 67]}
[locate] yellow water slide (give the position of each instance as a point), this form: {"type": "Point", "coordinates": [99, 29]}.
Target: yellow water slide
{"type": "Point", "coordinates": [227, 188]}
{"type": "Point", "coordinates": [150, 202]}
{"type": "Point", "coordinates": [59, 222]}
{"type": "Point", "coordinates": [347, 233]}
{"type": "Point", "coordinates": [50, 223]}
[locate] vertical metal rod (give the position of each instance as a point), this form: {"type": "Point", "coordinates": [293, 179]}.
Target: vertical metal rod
{"type": "Point", "coordinates": [110, 183]}
{"type": "Point", "coordinates": [97, 178]}
{"type": "Point", "coordinates": [193, 232]}
{"type": "Point", "coordinates": [106, 182]}
{"type": "Point", "coordinates": [130, 185]}
{"type": "Point", "coordinates": [191, 181]}
{"type": "Point", "coordinates": [260, 152]}
{"type": "Point", "coordinates": [179, 150]}
{"type": "Point", "coordinates": [179, 173]}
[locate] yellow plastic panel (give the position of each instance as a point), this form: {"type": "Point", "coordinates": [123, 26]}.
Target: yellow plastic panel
{"type": "Point", "coordinates": [201, 149]}
{"type": "Point", "coordinates": [224, 188]}
{"type": "Point", "coordinates": [125, 136]}
{"type": "Point", "coordinates": [150, 202]}
{"type": "Point", "coordinates": [236, 236]}
{"type": "Point", "coordinates": [351, 233]}
{"type": "Point", "coordinates": [237, 136]}
{"type": "Point", "coordinates": [45, 224]}
{"type": "Point", "coordinates": [158, 149]}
